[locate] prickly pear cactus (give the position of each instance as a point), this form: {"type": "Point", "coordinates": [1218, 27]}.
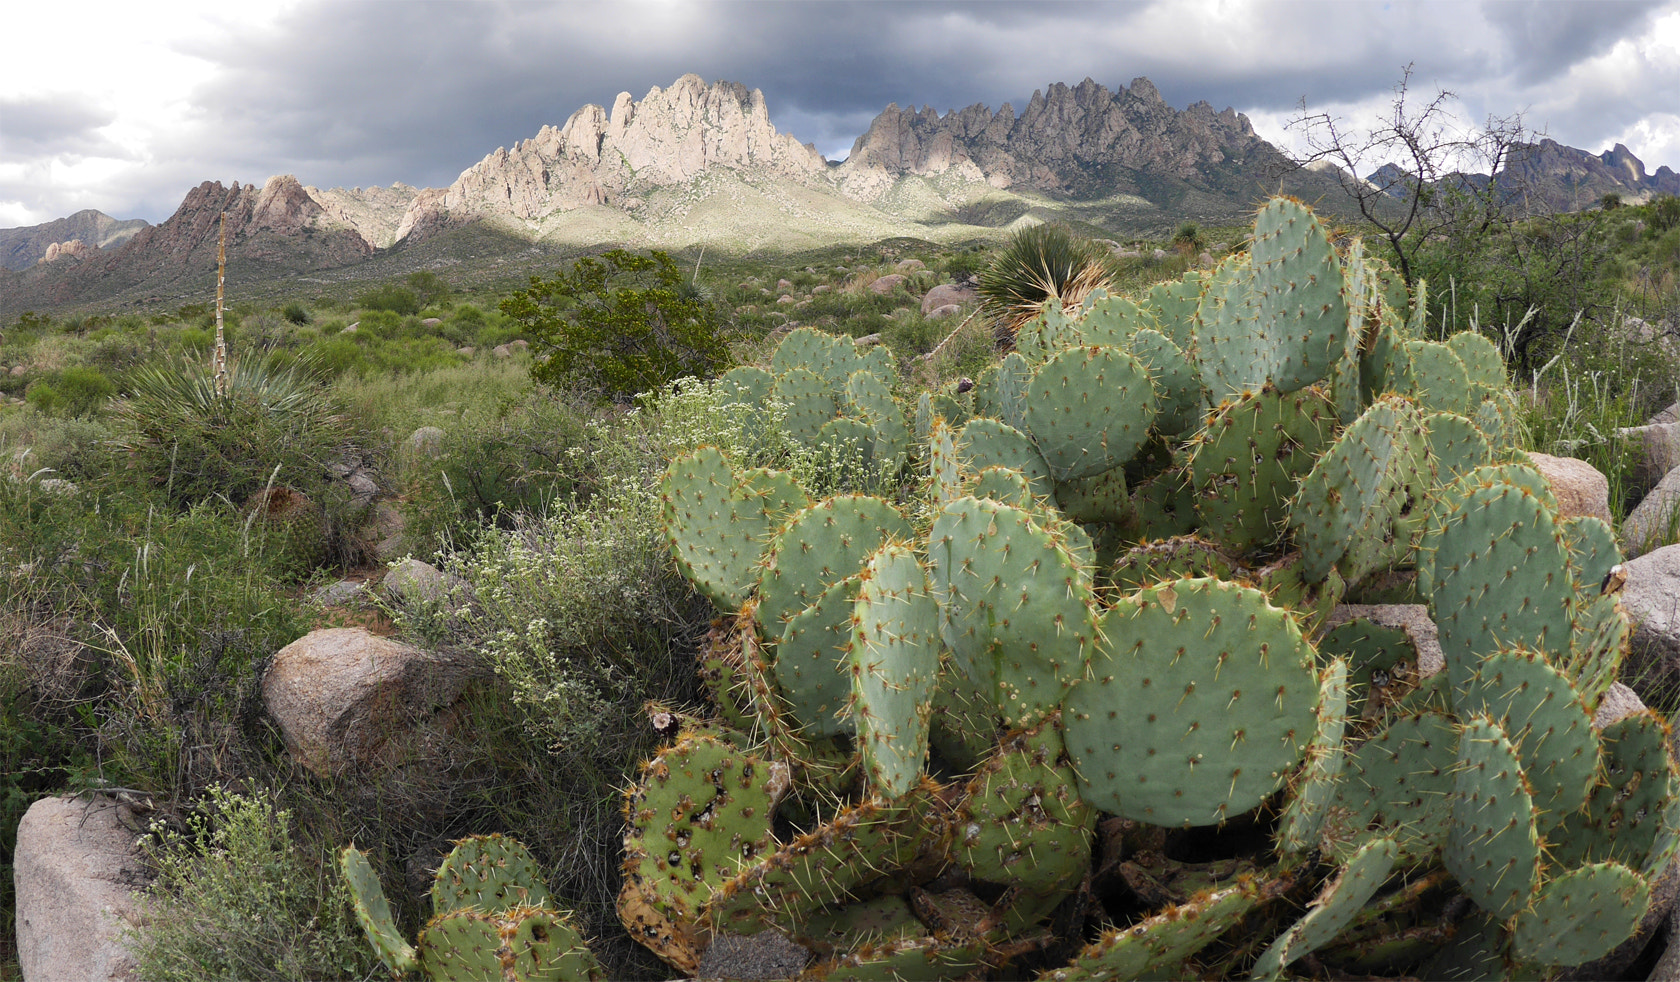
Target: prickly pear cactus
{"type": "Point", "coordinates": [491, 919]}
{"type": "Point", "coordinates": [1086, 674]}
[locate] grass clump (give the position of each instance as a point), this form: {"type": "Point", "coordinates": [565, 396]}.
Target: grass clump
{"type": "Point", "coordinates": [1040, 263]}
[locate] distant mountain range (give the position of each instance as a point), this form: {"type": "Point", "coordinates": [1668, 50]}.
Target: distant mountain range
{"type": "Point", "coordinates": [701, 165]}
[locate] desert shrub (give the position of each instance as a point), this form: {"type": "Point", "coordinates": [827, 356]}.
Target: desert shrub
{"type": "Point", "coordinates": [1037, 264]}
{"type": "Point", "coordinates": [73, 392]}
{"type": "Point", "coordinates": [74, 449]}
{"type": "Point", "coordinates": [296, 313]}
{"type": "Point", "coordinates": [194, 442]}
{"type": "Point", "coordinates": [429, 288]}
{"type": "Point", "coordinates": [237, 898]}
{"type": "Point", "coordinates": [391, 297]}
{"type": "Point", "coordinates": [618, 325]}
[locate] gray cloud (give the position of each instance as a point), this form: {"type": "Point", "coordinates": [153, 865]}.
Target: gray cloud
{"type": "Point", "coordinates": [344, 94]}
{"type": "Point", "coordinates": [37, 126]}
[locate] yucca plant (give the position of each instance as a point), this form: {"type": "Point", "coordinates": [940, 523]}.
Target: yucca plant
{"type": "Point", "coordinates": [197, 443]}
{"type": "Point", "coordinates": [1041, 263]}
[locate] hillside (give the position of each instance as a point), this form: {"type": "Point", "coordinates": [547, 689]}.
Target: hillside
{"type": "Point", "coordinates": [21, 248]}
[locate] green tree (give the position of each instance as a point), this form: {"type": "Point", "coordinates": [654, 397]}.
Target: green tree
{"type": "Point", "coordinates": [428, 286]}
{"type": "Point", "coordinates": [619, 324]}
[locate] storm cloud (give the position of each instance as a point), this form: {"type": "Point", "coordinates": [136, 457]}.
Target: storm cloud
{"type": "Point", "coordinates": [359, 94]}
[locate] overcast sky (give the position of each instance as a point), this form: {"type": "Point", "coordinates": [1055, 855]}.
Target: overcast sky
{"type": "Point", "coordinates": [123, 106]}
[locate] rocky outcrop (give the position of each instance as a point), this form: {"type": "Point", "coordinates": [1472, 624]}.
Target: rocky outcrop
{"type": "Point", "coordinates": [73, 249]}
{"type": "Point", "coordinates": [21, 248]}
{"type": "Point", "coordinates": [375, 213]}
{"type": "Point", "coordinates": [1579, 487]}
{"type": "Point", "coordinates": [1066, 139]}
{"type": "Point", "coordinates": [602, 158]}
{"type": "Point", "coordinates": [1564, 178]}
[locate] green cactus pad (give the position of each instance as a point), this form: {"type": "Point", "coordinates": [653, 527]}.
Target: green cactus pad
{"type": "Point", "coordinates": [1497, 575]}
{"type": "Point", "coordinates": [1089, 409]}
{"type": "Point", "coordinates": [1248, 460]}
{"type": "Point", "coordinates": [754, 385]}
{"type": "Point", "coordinates": [1433, 376]}
{"type": "Point", "coordinates": [1014, 374]}
{"type": "Point", "coordinates": [1384, 347]}
{"type": "Point", "coordinates": [1482, 362]}
{"type": "Point", "coordinates": [1053, 331]}
{"type": "Point", "coordinates": [1315, 785]}
{"type": "Point", "coordinates": [1016, 605]}
{"type": "Point", "coordinates": [1235, 356]}
{"type": "Point", "coordinates": [1344, 515]}
{"type": "Point", "coordinates": [1359, 298]}
{"type": "Point", "coordinates": [1492, 847]}
{"type": "Point", "coordinates": [893, 662]}
{"type": "Point", "coordinates": [1396, 783]}
{"type": "Point", "coordinates": [373, 912]}
{"type": "Point", "coordinates": [1170, 559]}
{"type": "Point", "coordinates": [964, 728]}
{"type": "Point", "coordinates": [1499, 417]}
{"type": "Point", "coordinates": [846, 444]}
{"type": "Point", "coordinates": [1581, 915]}
{"type": "Point", "coordinates": [1165, 505]}
{"type": "Point", "coordinates": [821, 546]}
{"type": "Point", "coordinates": [1630, 816]}
{"type": "Point", "coordinates": [1174, 305]}
{"type": "Point", "coordinates": [811, 662]}
{"type": "Point", "coordinates": [1198, 703]}
{"type": "Point", "coordinates": [909, 960]}
{"type": "Point", "coordinates": [870, 397]}
{"type": "Point", "coordinates": [806, 348]}
{"type": "Point", "coordinates": [1022, 821]}
{"type": "Point", "coordinates": [1154, 948]}
{"type": "Point", "coordinates": [1098, 498]}
{"type": "Point", "coordinates": [807, 402]}
{"type": "Point", "coordinates": [527, 944]}
{"type": "Point", "coordinates": [1592, 548]}
{"type": "Point", "coordinates": [984, 443]}
{"type": "Point", "coordinates": [944, 466]}
{"type": "Point", "coordinates": [1546, 720]}
{"type": "Point", "coordinates": [874, 921]}
{"type": "Point", "coordinates": [1334, 907]}
{"type": "Point", "coordinates": [820, 868]}
{"type": "Point", "coordinates": [1298, 300]}
{"type": "Point", "coordinates": [1456, 446]}
{"type": "Point", "coordinates": [1180, 395]}
{"type": "Point", "coordinates": [701, 813]}
{"type": "Point", "coordinates": [489, 873]}
{"type": "Point", "coordinates": [718, 522]}
{"type": "Point", "coordinates": [1113, 320]}
{"type": "Point", "coordinates": [1001, 484]}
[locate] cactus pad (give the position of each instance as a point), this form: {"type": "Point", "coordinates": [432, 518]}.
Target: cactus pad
{"type": "Point", "coordinates": [1345, 512]}
{"type": "Point", "coordinates": [821, 546]}
{"type": "Point", "coordinates": [893, 661]}
{"type": "Point", "coordinates": [811, 661]}
{"type": "Point", "coordinates": [1170, 559]}
{"type": "Point", "coordinates": [701, 813]}
{"type": "Point", "coordinates": [985, 442]}
{"type": "Point", "coordinates": [1456, 445]}
{"type": "Point", "coordinates": [1180, 395]}
{"type": "Point", "coordinates": [1545, 719]}
{"type": "Point", "coordinates": [1023, 821]}
{"type": "Point", "coordinates": [1153, 948]}
{"type": "Point", "coordinates": [1492, 847]}
{"type": "Point", "coordinates": [1315, 785]}
{"type": "Point", "coordinates": [1016, 605]}
{"type": "Point", "coordinates": [1089, 409]}
{"type": "Point", "coordinates": [1396, 782]}
{"type": "Point", "coordinates": [718, 522]}
{"type": "Point", "coordinates": [528, 944]}
{"type": "Point", "coordinates": [1497, 577]}
{"type": "Point", "coordinates": [1249, 458]}
{"type": "Point", "coordinates": [1581, 915]}
{"type": "Point", "coordinates": [373, 912]}
{"type": "Point", "coordinates": [1198, 703]}
{"type": "Point", "coordinates": [489, 873]}
{"type": "Point", "coordinates": [1298, 303]}
{"type": "Point", "coordinates": [1630, 816]}
{"type": "Point", "coordinates": [1334, 907]}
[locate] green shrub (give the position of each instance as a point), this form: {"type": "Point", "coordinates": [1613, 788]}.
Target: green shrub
{"type": "Point", "coordinates": [1039, 263]}
{"type": "Point", "coordinates": [391, 297]}
{"type": "Point", "coordinates": [236, 898]}
{"type": "Point", "coordinates": [295, 312]}
{"type": "Point", "coordinates": [618, 325]}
